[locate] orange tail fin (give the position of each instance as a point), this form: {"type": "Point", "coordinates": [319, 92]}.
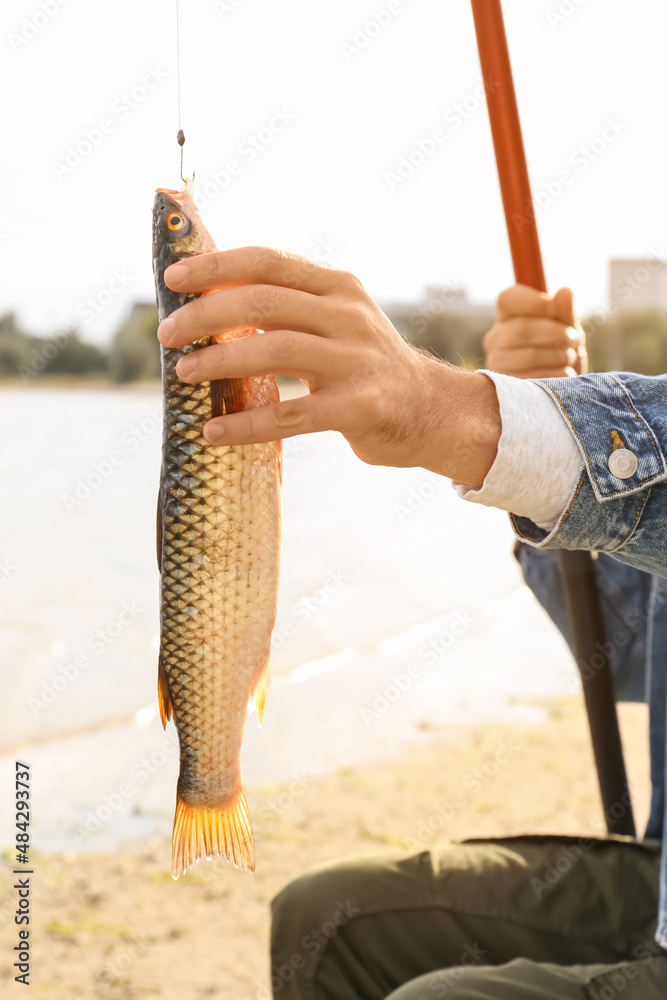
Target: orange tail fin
{"type": "Point", "coordinates": [200, 831]}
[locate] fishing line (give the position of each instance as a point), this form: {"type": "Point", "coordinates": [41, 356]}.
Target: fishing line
{"type": "Point", "coordinates": [180, 137]}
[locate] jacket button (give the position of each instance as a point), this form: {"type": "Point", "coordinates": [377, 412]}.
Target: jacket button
{"type": "Point", "coordinates": [622, 463]}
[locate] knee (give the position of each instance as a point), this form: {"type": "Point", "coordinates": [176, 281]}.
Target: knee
{"type": "Point", "coordinates": [306, 915]}
{"type": "Point", "coordinates": [290, 911]}
{"type": "Point", "coordinates": [308, 906]}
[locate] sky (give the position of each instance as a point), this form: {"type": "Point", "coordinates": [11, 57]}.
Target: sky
{"type": "Point", "coordinates": [348, 131]}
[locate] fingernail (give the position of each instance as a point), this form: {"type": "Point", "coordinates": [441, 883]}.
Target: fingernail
{"type": "Point", "coordinates": [213, 433]}
{"type": "Point", "coordinates": [165, 329]}
{"type": "Point", "coordinates": [176, 273]}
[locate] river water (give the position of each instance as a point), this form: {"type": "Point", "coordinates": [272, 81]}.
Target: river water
{"type": "Point", "coordinates": [402, 612]}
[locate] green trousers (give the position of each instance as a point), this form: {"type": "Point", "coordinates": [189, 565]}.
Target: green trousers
{"type": "Point", "coordinates": [523, 918]}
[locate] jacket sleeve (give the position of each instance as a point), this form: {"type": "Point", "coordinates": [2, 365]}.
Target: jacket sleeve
{"type": "Point", "coordinates": [619, 503]}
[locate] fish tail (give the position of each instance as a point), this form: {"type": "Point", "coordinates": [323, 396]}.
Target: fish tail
{"type": "Point", "coordinates": [207, 830]}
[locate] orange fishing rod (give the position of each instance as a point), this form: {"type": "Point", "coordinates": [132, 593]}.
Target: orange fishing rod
{"type": "Point", "coordinates": [577, 569]}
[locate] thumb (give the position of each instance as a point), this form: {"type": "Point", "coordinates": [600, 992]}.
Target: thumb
{"type": "Point", "coordinates": [562, 306]}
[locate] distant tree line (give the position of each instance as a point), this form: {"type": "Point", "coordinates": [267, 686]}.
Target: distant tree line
{"type": "Point", "coordinates": [629, 341]}
{"type": "Point", "coordinates": [452, 336]}
{"type": "Point", "coordinates": [632, 341]}
{"type": "Point", "coordinates": [25, 356]}
{"type": "Point", "coordinates": [134, 352]}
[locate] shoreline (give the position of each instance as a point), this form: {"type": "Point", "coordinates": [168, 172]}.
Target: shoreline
{"type": "Point", "coordinates": [116, 924]}
{"type": "Point", "coordinates": [74, 382]}
{"type": "Point", "coordinates": [104, 383]}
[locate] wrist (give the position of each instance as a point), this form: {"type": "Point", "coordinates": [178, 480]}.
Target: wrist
{"type": "Point", "coordinates": [465, 444]}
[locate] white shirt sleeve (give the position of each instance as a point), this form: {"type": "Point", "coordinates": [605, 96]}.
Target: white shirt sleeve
{"type": "Point", "coordinates": [538, 461]}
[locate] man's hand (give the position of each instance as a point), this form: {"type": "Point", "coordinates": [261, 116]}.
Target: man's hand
{"type": "Point", "coordinates": [536, 335]}
{"type": "Point", "coordinates": [395, 405]}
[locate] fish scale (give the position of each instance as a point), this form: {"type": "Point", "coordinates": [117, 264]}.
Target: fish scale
{"type": "Point", "coordinates": [219, 550]}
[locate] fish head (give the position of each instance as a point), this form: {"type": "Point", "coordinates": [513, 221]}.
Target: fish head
{"type": "Point", "coordinates": [177, 229]}
{"type": "Point", "coordinates": [178, 232]}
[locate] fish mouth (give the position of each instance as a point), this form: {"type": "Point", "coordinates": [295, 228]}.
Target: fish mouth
{"type": "Point", "coordinates": [183, 199]}
{"type": "Point", "coordinates": [166, 200]}
{"type": "Point", "coordinates": [165, 196]}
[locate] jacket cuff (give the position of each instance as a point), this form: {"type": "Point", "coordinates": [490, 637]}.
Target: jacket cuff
{"type": "Point", "coordinates": [603, 418]}
{"type": "Point", "coordinates": [585, 524]}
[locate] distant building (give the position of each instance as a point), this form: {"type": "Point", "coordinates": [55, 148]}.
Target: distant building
{"type": "Point", "coordinates": [638, 283]}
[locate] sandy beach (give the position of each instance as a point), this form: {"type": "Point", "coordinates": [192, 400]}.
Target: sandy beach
{"type": "Point", "coordinates": [117, 927]}
{"type": "Point", "coordinates": [418, 693]}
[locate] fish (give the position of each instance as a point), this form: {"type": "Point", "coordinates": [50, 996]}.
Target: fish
{"type": "Point", "coordinates": [218, 545]}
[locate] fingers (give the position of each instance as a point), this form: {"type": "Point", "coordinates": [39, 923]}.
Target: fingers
{"type": "Point", "coordinates": [252, 265]}
{"type": "Point", "coordinates": [520, 300]}
{"type": "Point", "coordinates": [536, 335]}
{"type": "Point", "coordinates": [581, 366]}
{"type": "Point", "coordinates": [521, 332]}
{"type": "Point", "coordinates": [519, 360]}
{"type": "Point", "coordinates": [563, 307]}
{"type": "Point", "coordinates": [286, 352]}
{"type": "Point", "coordinates": [302, 415]}
{"type": "Point", "coordinates": [267, 307]}
{"type": "Point", "coordinates": [528, 348]}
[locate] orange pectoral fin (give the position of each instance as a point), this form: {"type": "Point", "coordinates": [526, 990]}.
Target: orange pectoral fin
{"type": "Point", "coordinates": [259, 691]}
{"type": "Point", "coordinates": [163, 696]}
{"type": "Point", "coordinates": [228, 395]}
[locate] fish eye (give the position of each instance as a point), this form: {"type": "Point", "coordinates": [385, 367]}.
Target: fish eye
{"type": "Point", "coordinates": [176, 222]}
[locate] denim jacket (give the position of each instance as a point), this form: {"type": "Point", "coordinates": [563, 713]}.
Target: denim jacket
{"type": "Point", "coordinates": [627, 518]}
